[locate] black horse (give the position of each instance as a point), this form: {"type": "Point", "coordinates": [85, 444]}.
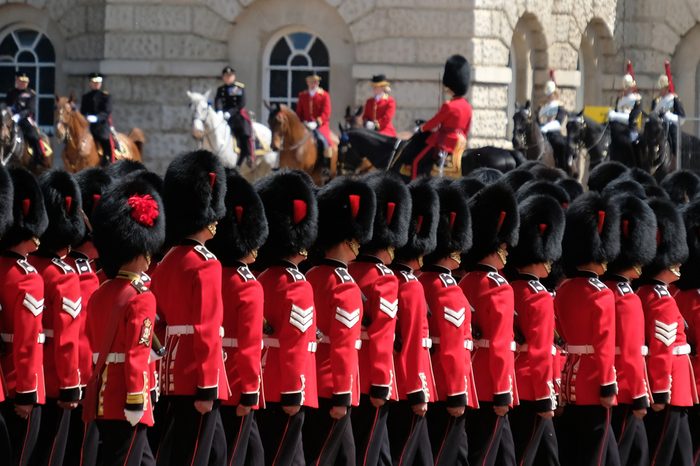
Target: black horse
{"type": "Point", "coordinates": [528, 138]}
{"type": "Point", "coordinates": [653, 152]}
{"type": "Point", "coordinates": [361, 150]}
{"type": "Point", "coordinates": [588, 144]}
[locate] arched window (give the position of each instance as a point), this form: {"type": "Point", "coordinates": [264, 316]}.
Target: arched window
{"type": "Point", "coordinates": [290, 60]}
{"type": "Point", "coordinates": [32, 52]}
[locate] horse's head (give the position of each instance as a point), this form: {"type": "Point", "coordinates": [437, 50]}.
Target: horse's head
{"type": "Point", "coordinates": [279, 124]}
{"type": "Point", "coordinates": [655, 129]}
{"type": "Point", "coordinates": [353, 119]}
{"type": "Point", "coordinates": [6, 124]}
{"type": "Point", "coordinates": [199, 106]}
{"type": "Point", "coordinates": [522, 122]}
{"type": "Point", "coordinates": [63, 114]}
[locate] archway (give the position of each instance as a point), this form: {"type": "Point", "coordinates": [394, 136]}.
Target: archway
{"type": "Point", "coordinates": [596, 47]}
{"type": "Point", "coordinates": [686, 75]}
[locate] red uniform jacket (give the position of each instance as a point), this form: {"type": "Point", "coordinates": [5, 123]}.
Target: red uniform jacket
{"type": "Point", "coordinates": [689, 304]}
{"type": "Point", "coordinates": [187, 287]}
{"type": "Point", "coordinates": [380, 289]}
{"type": "Point", "coordinates": [381, 111]}
{"type": "Point", "coordinates": [534, 319]}
{"type": "Point", "coordinates": [126, 375]}
{"type": "Point", "coordinates": [22, 302]}
{"type": "Point", "coordinates": [450, 329]}
{"type": "Point", "coordinates": [632, 384]}
{"type": "Point", "coordinates": [585, 310]}
{"type": "Point", "coordinates": [339, 312]}
{"type": "Point", "coordinates": [414, 371]}
{"type": "Point", "coordinates": [492, 299]}
{"type": "Point", "coordinates": [289, 372]}
{"type": "Point", "coordinates": [452, 121]}
{"type": "Point", "coordinates": [670, 372]}
{"type": "Point", "coordinates": [89, 282]}
{"type": "Point", "coordinates": [318, 109]}
{"type": "Point", "coordinates": [62, 321]}
{"type": "Point", "coordinates": [243, 327]}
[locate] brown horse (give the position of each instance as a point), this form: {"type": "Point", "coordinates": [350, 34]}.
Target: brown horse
{"type": "Point", "coordinates": [297, 146]}
{"type": "Point", "coordinates": [80, 150]}
{"type": "Point", "coordinates": [14, 150]}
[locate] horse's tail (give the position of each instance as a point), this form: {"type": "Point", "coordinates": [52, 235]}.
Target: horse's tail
{"type": "Point", "coordinates": [138, 137]}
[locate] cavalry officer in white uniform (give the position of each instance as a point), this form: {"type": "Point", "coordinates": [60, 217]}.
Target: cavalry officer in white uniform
{"type": "Point", "coordinates": [629, 106]}
{"type": "Point", "coordinates": [668, 105]}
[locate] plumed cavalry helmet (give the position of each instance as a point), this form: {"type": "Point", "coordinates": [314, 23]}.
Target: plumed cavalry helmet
{"type": "Point", "coordinates": [628, 81]}
{"type": "Point", "coordinates": [129, 221]}
{"type": "Point", "coordinates": [457, 75]}
{"type": "Point", "coordinates": [244, 227]}
{"type": "Point", "coordinates": [292, 214]}
{"type": "Point", "coordinates": [454, 227]}
{"type": "Point", "coordinates": [541, 231]}
{"type": "Point", "coordinates": [671, 245]}
{"type": "Point", "coordinates": [28, 210]}
{"type": "Point", "coordinates": [193, 192]}
{"type": "Point", "coordinates": [64, 208]}
{"type": "Point", "coordinates": [637, 233]}
{"type": "Point", "coordinates": [346, 210]}
{"type": "Point", "coordinates": [550, 87]}
{"type": "Point", "coordinates": [6, 196]}
{"type": "Point", "coordinates": [422, 228]}
{"type": "Point", "coordinates": [393, 212]}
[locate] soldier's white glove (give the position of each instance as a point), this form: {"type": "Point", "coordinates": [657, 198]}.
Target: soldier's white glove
{"type": "Point", "coordinates": [671, 117]}
{"type": "Point", "coordinates": [92, 118]}
{"type": "Point", "coordinates": [227, 115]}
{"type": "Point", "coordinates": [312, 125]}
{"type": "Point", "coordinates": [15, 118]}
{"type": "Point", "coordinates": [133, 417]}
{"type": "Point", "coordinates": [370, 125]}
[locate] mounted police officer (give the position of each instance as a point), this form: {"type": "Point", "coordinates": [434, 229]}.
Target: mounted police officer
{"type": "Point", "coordinates": [668, 106]}
{"type": "Point", "coordinates": [230, 99]}
{"type": "Point", "coordinates": [22, 101]}
{"type": "Point", "coordinates": [96, 107]}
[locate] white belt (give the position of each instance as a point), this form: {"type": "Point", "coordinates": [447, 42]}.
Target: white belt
{"type": "Point", "coordinates": [644, 350]}
{"type": "Point", "coordinates": [48, 333]}
{"type": "Point", "coordinates": [426, 343]}
{"type": "Point", "coordinates": [681, 349]}
{"type": "Point", "coordinates": [524, 348]}
{"type": "Point", "coordinates": [275, 343]}
{"type": "Point", "coordinates": [112, 358]}
{"type": "Point", "coordinates": [186, 330]}
{"type": "Point", "coordinates": [324, 339]}
{"type": "Point", "coordinates": [580, 349]}
{"type": "Point", "coordinates": [468, 344]}
{"type": "Point", "coordinates": [229, 342]}
{"type": "Point", "coordinates": [10, 337]}
{"type": "Point", "coordinates": [487, 344]}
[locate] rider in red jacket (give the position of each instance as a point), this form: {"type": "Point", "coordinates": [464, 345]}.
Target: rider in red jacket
{"type": "Point", "coordinates": [378, 114]}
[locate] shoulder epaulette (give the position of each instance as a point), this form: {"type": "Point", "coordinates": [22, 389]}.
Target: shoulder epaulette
{"type": "Point", "coordinates": [624, 288]}
{"type": "Point", "coordinates": [145, 278]}
{"type": "Point", "coordinates": [384, 269]}
{"type": "Point", "coordinates": [83, 266]}
{"type": "Point", "coordinates": [536, 286]}
{"type": "Point", "coordinates": [497, 278]}
{"type": "Point", "coordinates": [139, 286]}
{"type": "Point", "coordinates": [343, 274]}
{"type": "Point", "coordinates": [239, 84]}
{"type": "Point", "coordinates": [661, 291]}
{"type": "Point", "coordinates": [447, 279]}
{"type": "Point", "coordinates": [408, 276]}
{"type": "Point", "coordinates": [597, 284]}
{"type": "Point", "coordinates": [245, 273]}
{"type": "Point", "coordinates": [26, 266]}
{"type": "Point", "coordinates": [61, 264]}
{"type": "Point", "coordinates": [296, 275]}
{"type": "Point", "coordinates": [204, 252]}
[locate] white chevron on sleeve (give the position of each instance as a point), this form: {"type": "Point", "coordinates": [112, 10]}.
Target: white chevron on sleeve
{"type": "Point", "coordinates": [388, 307]}
{"type": "Point", "coordinates": [665, 333]}
{"type": "Point", "coordinates": [456, 318]}
{"type": "Point", "coordinates": [33, 305]}
{"type": "Point", "coordinates": [301, 318]}
{"type": "Point", "coordinates": [349, 319]}
{"type": "Point", "coordinates": [72, 307]}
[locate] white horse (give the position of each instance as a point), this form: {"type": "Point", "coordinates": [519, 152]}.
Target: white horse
{"type": "Point", "coordinates": [213, 133]}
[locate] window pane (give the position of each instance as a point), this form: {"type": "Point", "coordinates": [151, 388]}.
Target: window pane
{"type": "Point", "coordinates": [299, 60]}
{"type": "Point", "coordinates": [300, 40]}
{"type": "Point", "coordinates": [319, 53]}
{"type": "Point", "coordinates": [47, 80]}
{"type": "Point", "coordinates": [31, 72]}
{"type": "Point", "coordinates": [298, 81]}
{"type": "Point", "coordinates": [325, 79]}
{"type": "Point", "coordinates": [280, 53]}
{"type": "Point", "coordinates": [278, 83]}
{"type": "Point", "coordinates": [8, 46]}
{"type": "Point", "coordinates": [26, 37]}
{"type": "Point", "coordinates": [7, 78]}
{"type": "Point", "coordinates": [26, 57]}
{"type": "Point", "coordinates": [46, 107]}
{"type": "Point", "coordinates": [44, 50]}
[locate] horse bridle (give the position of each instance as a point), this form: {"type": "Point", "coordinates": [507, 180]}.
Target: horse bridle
{"type": "Point", "coordinates": [12, 138]}
{"type": "Point", "coordinates": [521, 137]}
{"type": "Point", "coordinates": [285, 127]}
{"type": "Point", "coordinates": [207, 134]}
{"type": "Point", "coordinates": [65, 123]}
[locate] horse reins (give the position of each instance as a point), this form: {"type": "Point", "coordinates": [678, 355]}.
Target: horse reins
{"type": "Point", "coordinates": [301, 142]}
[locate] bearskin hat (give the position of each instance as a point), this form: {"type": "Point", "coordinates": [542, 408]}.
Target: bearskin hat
{"type": "Point", "coordinates": [671, 244]}
{"type": "Point", "coordinates": [28, 209]}
{"type": "Point", "coordinates": [637, 232]}
{"type": "Point", "coordinates": [572, 187]}
{"type": "Point", "coordinates": [541, 231]}
{"type": "Point", "coordinates": [690, 271]}
{"type": "Point", "coordinates": [129, 221]}
{"type": "Point", "coordinates": [92, 183]}
{"type": "Point", "coordinates": [6, 196]}
{"type": "Point", "coordinates": [516, 178]}
{"type": "Point", "coordinates": [604, 173]}
{"type": "Point", "coordinates": [495, 220]}
{"type": "Point", "coordinates": [682, 186]}
{"type": "Point", "coordinates": [657, 191]}
{"type": "Point", "coordinates": [64, 208]}
{"type": "Point", "coordinates": [528, 165]}
{"type": "Point", "coordinates": [624, 185]}
{"type": "Point", "coordinates": [292, 213]}
{"type": "Point", "coordinates": [469, 186]}
{"type": "Point", "coordinates": [545, 188]}
{"type": "Point", "coordinates": [425, 213]}
{"type": "Point", "coordinates": [454, 225]}
{"type": "Point", "coordinates": [457, 75]}
{"type": "Point", "coordinates": [121, 168]}
{"type": "Point", "coordinates": [193, 193]}
{"type": "Point", "coordinates": [346, 211]}
{"type": "Point", "coordinates": [244, 227]}
{"type": "Point", "coordinates": [486, 175]}
{"type": "Point", "coordinates": [592, 232]}
{"type": "Point", "coordinates": [393, 211]}
{"type": "Point", "coordinates": [642, 176]}
{"type": "Point", "coordinates": [543, 172]}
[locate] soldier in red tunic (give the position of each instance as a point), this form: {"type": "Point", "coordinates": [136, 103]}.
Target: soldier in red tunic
{"type": "Point", "coordinates": [380, 288]}
{"type": "Point", "coordinates": [314, 110]}
{"type": "Point", "coordinates": [187, 287]}
{"type": "Point", "coordinates": [62, 318]}
{"type": "Point", "coordinates": [539, 245]}
{"type": "Point", "coordinates": [408, 428]}
{"type": "Point", "coordinates": [379, 109]}
{"type": "Point", "coordinates": [22, 302]}
{"type": "Point", "coordinates": [449, 319]}
{"type": "Point", "coordinates": [239, 235]}
{"type": "Point", "coordinates": [345, 219]}
{"type": "Point", "coordinates": [585, 310]}
{"type": "Point", "coordinates": [670, 371]}
{"type": "Point", "coordinates": [495, 223]}
{"type": "Point", "coordinates": [289, 372]}
{"type": "Point", "coordinates": [128, 227]}
{"type": "Point", "coordinates": [637, 249]}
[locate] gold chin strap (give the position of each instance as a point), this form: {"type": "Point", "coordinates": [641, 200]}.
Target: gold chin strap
{"type": "Point", "coordinates": [502, 255]}
{"type": "Point", "coordinates": [604, 265]}
{"type": "Point", "coordinates": [254, 253]}
{"type": "Point", "coordinates": [36, 241]}
{"type": "Point", "coordinates": [420, 262]}
{"type": "Point", "coordinates": [455, 256]}
{"type": "Point", "coordinates": [354, 246]}
{"type": "Point", "coordinates": [637, 269]}
{"type": "Point", "coordinates": [548, 267]}
{"type": "Point", "coordinates": [212, 228]}
{"type": "Point", "coordinates": [391, 250]}
{"type": "Point", "coordinates": [148, 259]}
{"type": "Point", "coordinates": [131, 276]}
{"type": "Point", "coordinates": [675, 270]}
{"type": "Point", "coordinates": [304, 253]}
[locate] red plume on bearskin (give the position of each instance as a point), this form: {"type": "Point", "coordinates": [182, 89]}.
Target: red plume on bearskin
{"type": "Point", "coordinates": [672, 247]}
{"type": "Point", "coordinates": [637, 232]}
{"type": "Point", "coordinates": [667, 68]}
{"type": "Point", "coordinates": [390, 208]}
{"type": "Point", "coordinates": [454, 224]}
{"type": "Point", "coordinates": [601, 221]}
{"type": "Point", "coordinates": [393, 211]}
{"type": "Point", "coordinates": [540, 232]}
{"type": "Point", "coordinates": [64, 208]}
{"type": "Point", "coordinates": [425, 214]}
{"type": "Point", "coordinates": [69, 203]}
{"type": "Point", "coordinates": [28, 218]}
{"type": "Point", "coordinates": [354, 205]}
{"type": "Point", "coordinates": [238, 211]}
{"type": "Point", "coordinates": [26, 205]}
{"type": "Point", "coordinates": [299, 207]}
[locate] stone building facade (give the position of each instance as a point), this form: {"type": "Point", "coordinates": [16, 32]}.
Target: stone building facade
{"type": "Point", "coordinates": [152, 51]}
